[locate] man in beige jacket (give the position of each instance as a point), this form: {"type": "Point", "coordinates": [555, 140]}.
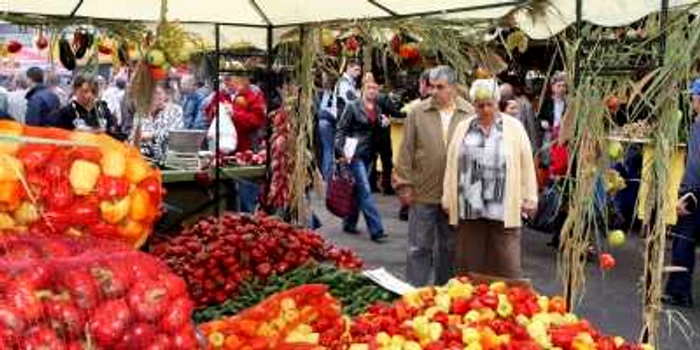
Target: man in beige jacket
{"type": "Point", "coordinates": [419, 178]}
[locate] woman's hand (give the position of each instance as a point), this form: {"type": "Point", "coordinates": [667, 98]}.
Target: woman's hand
{"type": "Point", "coordinates": [529, 209]}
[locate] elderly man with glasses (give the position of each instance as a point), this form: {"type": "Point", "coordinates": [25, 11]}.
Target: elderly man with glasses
{"type": "Point", "coordinates": [419, 177]}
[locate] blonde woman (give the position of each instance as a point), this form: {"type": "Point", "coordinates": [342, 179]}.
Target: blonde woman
{"type": "Point", "coordinates": [489, 185]}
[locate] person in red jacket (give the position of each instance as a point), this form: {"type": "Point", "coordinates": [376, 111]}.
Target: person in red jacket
{"type": "Point", "coordinates": [248, 112]}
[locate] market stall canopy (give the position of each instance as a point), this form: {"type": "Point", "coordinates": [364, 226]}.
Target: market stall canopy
{"type": "Point", "coordinates": [607, 13]}
{"type": "Point", "coordinates": [259, 14]}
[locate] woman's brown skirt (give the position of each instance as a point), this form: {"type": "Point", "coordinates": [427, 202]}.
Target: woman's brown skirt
{"type": "Point", "coordinates": [487, 247]}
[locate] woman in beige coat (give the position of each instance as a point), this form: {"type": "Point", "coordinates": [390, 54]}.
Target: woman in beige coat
{"type": "Point", "coordinates": [489, 186]}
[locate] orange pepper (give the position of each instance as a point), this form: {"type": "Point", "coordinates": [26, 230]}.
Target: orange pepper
{"type": "Point", "coordinates": [232, 342]}
{"type": "Point", "coordinates": [557, 304]}
{"type": "Point", "coordinates": [10, 128]}
{"type": "Point", "coordinates": [10, 194]}
{"type": "Point", "coordinates": [140, 205]}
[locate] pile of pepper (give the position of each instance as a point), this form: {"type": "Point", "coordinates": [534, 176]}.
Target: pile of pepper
{"type": "Point", "coordinates": [305, 317]}
{"type": "Point", "coordinates": [352, 289]}
{"type": "Point", "coordinates": [216, 255]}
{"type": "Point", "coordinates": [75, 183]}
{"type": "Point", "coordinates": [466, 316]}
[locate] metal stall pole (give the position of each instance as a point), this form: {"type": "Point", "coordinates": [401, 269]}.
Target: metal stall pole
{"type": "Point", "coordinates": [269, 82]}
{"type": "Point", "coordinates": [217, 160]}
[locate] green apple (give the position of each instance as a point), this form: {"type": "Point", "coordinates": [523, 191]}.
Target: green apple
{"type": "Point", "coordinates": [155, 58]}
{"type": "Point", "coordinates": [616, 238]}
{"type": "Point", "coordinates": [615, 150]}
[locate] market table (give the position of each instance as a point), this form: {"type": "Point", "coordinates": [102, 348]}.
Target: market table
{"type": "Point", "coordinates": [186, 199]}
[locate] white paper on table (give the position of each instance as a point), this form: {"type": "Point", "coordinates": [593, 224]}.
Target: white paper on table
{"type": "Point", "coordinates": [350, 147]}
{"type": "Point", "coordinates": [390, 282]}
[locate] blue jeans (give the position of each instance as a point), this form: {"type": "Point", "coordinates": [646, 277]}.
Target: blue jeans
{"type": "Point", "coordinates": [685, 235]}
{"type": "Point", "coordinates": [326, 136]}
{"type": "Point", "coordinates": [247, 196]}
{"type": "Point", "coordinates": [364, 201]}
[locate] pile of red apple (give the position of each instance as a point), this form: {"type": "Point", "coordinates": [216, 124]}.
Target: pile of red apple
{"type": "Point", "coordinates": [58, 294]}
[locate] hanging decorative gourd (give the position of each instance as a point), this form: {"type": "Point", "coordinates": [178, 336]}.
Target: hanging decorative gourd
{"type": "Point", "coordinates": [409, 52]}
{"type": "Point", "coordinates": [41, 42]}
{"type": "Point", "coordinates": [14, 46]}
{"type": "Point", "coordinates": [351, 47]}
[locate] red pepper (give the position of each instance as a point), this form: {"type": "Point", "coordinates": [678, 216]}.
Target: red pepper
{"type": "Point", "coordinates": [489, 300]}
{"type": "Point", "coordinates": [104, 230]}
{"type": "Point", "coordinates": [153, 187]}
{"type": "Point", "coordinates": [35, 156]}
{"type": "Point", "coordinates": [441, 317]}
{"type": "Point", "coordinates": [85, 212]}
{"type": "Point", "coordinates": [58, 221]}
{"type": "Point", "coordinates": [460, 306]}
{"type": "Point", "coordinates": [91, 154]}
{"type": "Point", "coordinates": [58, 194]}
{"type": "Point", "coordinates": [110, 188]}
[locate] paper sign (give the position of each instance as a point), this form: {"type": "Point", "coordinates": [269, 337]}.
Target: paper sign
{"type": "Point", "coordinates": [390, 282]}
{"type": "Point", "coordinates": [350, 147]}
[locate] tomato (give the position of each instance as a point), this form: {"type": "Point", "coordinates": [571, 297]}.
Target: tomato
{"type": "Point", "coordinates": [148, 300]}
{"type": "Point", "coordinates": [113, 279]}
{"type": "Point", "coordinates": [138, 336]}
{"type": "Point", "coordinates": [607, 261]}
{"type": "Point", "coordinates": [143, 269]}
{"type": "Point", "coordinates": [65, 317]}
{"type": "Point", "coordinates": [109, 321]}
{"type": "Point", "coordinates": [41, 337]}
{"type": "Point", "coordinates": [37, 276]}
{"type": "Point", "coordinates": [12, 323]}
{"type": "Point", "coordinates": [162, 342]}
{"type": "Point", "coordinates": [489, 300]}
{"type": "Point", "coordinates": [22, 297]}
{"type": "Point", "coordinates": [111, 188]}
{"type": "Point", "coordinates": [82, 287]}
{"type": "Point", "coordinates": [185, 339]}
{"type": "Point", "coordinates": [20, 251]}
{"type": "Point", "coordinates": [55, 249]}
{"type": "Point", "coordinates": [175, 286]}
{"type": "Point", "coordinates": [178, 315]}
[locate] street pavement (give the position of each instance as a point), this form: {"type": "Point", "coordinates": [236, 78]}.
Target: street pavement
{"type": "Point", "coordinates": [612, 300]}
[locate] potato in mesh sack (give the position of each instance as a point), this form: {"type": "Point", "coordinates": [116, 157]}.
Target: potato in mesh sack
{"type": "Point", "coordinates": [61, 293]}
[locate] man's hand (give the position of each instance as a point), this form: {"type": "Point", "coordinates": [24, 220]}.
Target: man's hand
{"type": "Point", "coordinates": [385, 121]}
{"type": "Point", "coordinates": [681, 208]}
{"type": "Point", "coordinates": [406, 195]}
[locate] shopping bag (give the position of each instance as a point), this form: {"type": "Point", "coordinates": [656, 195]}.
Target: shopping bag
{"type": "Point", "coordinates": [340, 194]}
{"type": "Point", "coordinates": [228, 138]}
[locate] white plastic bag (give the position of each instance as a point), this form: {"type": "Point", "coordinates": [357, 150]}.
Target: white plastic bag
{"type": "Point", "coordinates": [228, 138]}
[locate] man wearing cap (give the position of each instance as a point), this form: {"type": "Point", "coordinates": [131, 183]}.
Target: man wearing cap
{"type": "Point", "coordinates": [41, 101]}
{"type": "Point", "coordinates": [687, 230]}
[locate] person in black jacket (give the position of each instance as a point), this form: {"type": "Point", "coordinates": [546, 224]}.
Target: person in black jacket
{"type": "Point", "coordinates": [383, 149]}
{"type": "Point", "coordinates": [553, 108]}
{"type": "Point", "coordinates": [85, 112]}
{"type": "Point", "coordinates": [360, 121]}
{"type": "Point", "coordinates": [41, 101]}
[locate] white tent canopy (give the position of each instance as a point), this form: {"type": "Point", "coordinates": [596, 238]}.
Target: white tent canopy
{"type": "Point", "coordinates": [253, 16]}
